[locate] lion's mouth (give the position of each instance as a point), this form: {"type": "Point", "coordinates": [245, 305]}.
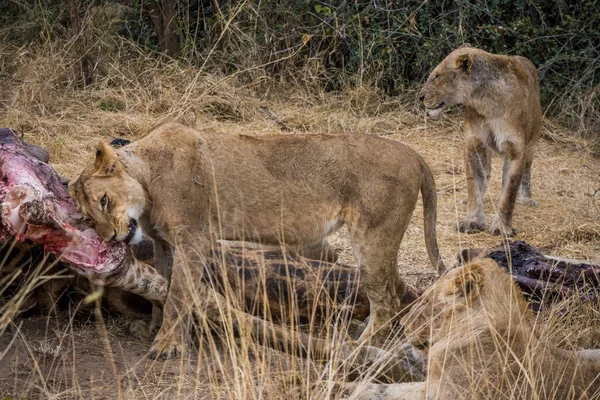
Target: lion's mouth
{"type": "Point", "coordinates": [439, 105]}
{"type": "Point", "coordinates": [419, 343]}
{"type": "Point", "coordinates": [434, 112]}
{"type": "Point", "coordinates": [131, 231]}
{"type": "Point", "coordinates": [422, 345]}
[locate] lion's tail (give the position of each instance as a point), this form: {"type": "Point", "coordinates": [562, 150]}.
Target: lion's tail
{"type": "Point", "coordinates": [428, 191]}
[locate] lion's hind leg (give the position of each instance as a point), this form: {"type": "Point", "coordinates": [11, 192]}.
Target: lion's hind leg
{"type": "Point", "coordinates": [514, 168]}
{"type": "Point", "coordinates": [376, 251]}
{"type": "Point", "coordinates": [525, 190]}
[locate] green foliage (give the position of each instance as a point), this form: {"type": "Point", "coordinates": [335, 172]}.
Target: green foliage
{"type": "Point", "coordinates": [112, 105]}
{"type": "Point", "coordinates": [395, 43]}
{"type": "Point", "coordinates": [21, 23]}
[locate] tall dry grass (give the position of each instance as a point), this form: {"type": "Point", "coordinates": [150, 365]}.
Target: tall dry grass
{"type": "Point", "coordinates": [226, 360]}
{"type": "Point", "coordinates": [43, 99]}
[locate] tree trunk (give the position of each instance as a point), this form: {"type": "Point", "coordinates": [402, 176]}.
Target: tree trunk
{"type": "Point", "coordinates": [84, 64]}
{"type": "Point", "coordinates": [164, 18]}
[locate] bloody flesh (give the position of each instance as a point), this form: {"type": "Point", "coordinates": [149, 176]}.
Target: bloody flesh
{"type": "Point", "coordinates": [35, 205]}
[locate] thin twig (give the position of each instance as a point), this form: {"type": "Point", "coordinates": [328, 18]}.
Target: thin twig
{"type": "Point", "coordinates": [597, 173]}
{"type": "Point", "coordinates": [196, 181]}
{"type": "Point", "coordinates": [592, 169]}
{"type": "Point", "coordinates": [278, 120]}
{"type": "Point", "coordinates": [444, 189]}
{"type": "Point", "coordinates": [595, 192]}
{"type": "Point", "coordinates": [12, 78]}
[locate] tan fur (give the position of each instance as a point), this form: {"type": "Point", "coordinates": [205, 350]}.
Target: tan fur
{"type": "Point", "coordinates": [502, 114]}
{"type": "Point", "coordinates": [484, 343]}
{"type": "Point", "coordinates": [190, 188]}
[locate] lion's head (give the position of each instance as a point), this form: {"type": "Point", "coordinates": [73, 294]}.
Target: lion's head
{"type": "Point", "coordinates": [429, 319]}
{"type": "Point", "coordinates": [112, 199]}
{"type": "Point", "coordinates": [480, 294]}
{"type": "Point", "coordinates": [453, 80]}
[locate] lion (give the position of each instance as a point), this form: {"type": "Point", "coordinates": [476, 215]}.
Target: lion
{"type": "Point", "coordinates": [186, 189]}
{"type": "Point", "coordinates": [39, 283]}
{"type": "Point", "coordinates": [484, 344]}
{"type": "Point", "coordinates": [503, 114]}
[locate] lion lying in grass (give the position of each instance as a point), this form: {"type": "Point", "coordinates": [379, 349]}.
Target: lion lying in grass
{"type": "Point", "coordinates": [484, 344]}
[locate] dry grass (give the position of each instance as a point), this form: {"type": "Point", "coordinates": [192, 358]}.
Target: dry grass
{"type": "Point", "coordinates": [60, 358]}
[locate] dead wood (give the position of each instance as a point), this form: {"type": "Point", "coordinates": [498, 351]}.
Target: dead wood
{"type": "Point", "coordinates": [543, 279]}
{"type": "Point", "coordinates": [283, 288]}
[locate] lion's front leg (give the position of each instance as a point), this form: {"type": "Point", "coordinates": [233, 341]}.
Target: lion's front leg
{"type": "Point", "coordinates": [172, 339]}
{"type": "Point", "coordinates": [478, 161]}
{"type": "Point", "coordinates": [525, 192]}
{"type": "Point", "coordinates": [515, 163]}
{"type": "Point", "coordinates": [163, 262]}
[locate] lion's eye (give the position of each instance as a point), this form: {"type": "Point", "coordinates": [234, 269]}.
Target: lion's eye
{"type": "Point", "coordinates": [103, 202]}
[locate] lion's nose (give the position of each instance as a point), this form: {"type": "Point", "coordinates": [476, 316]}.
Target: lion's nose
{"type": "Point", "coordinates": [422, 98]}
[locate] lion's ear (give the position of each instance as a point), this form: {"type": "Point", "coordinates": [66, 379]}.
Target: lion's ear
{"type": "Point", "coordinates": [468, 281]}
{"type": "Point", "coordinates": [464, 62]}
{"type": "Point", "coordinates": [71, 188]}
{"type": "Point", "coordinates": [107, 163]}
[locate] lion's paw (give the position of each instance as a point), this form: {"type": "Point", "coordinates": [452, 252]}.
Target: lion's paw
{"type": "Point", "coordinates": [167, 351]}
{"type": "Point", "coordinates": [497, 229]}
{"type": "Point", "coordinates": [141, 329]}
{"type": "Point", "coordinates": [529, 203]}
{"type": "Point", "coordinates": [467, 226]}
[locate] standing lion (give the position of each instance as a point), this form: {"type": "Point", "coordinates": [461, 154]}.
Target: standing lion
{"type": "Point", "coordinates": [501, 95]}
{"type": "Point", "coordinates": [187, 188]}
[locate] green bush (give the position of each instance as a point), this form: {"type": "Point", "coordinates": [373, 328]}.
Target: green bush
{"type": "Point", "coordinates": [395, 43]}
{"type": "Point", "coordinates": [392, 44]}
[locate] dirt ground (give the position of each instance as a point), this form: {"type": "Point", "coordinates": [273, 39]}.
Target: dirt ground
{"type": "Point", "coordinates": [64, 358]}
